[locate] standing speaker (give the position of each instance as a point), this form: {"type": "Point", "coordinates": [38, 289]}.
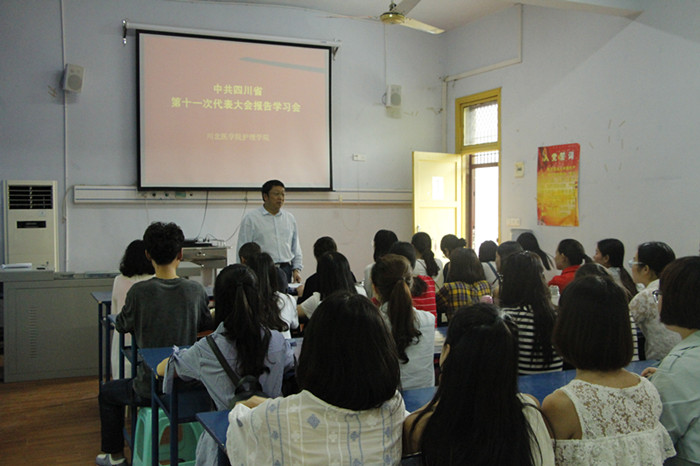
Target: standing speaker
{"type": "Point", "coordinates": [393, 96]}
{"type": "Point", "coordinates": [72, 80]}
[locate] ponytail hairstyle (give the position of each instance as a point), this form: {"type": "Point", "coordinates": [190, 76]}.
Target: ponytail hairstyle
{"type": "Point", "coordinates": [421, 241]}
{"type": "Point", "coordinates": [573, 251]}
{"type": "Point", "coordinates": [656, 255]}
{"type": "Point", "coordinates": [237, 307]}
{"type": "Point", "coordinates": [523, 286]}
{"type": "Point", "coordinates": [529, 243]}
{"type": "Point", "coordinates": [334, 274]}
{"type": "Point", "coordinates": [448, 243]}
{"type": "Point", "coordinates": [392, 277]}
{"type": "Point", "coordinates": [615, 250]}
{"type": "Point", "coordinates": [477, 414]}
{"type": "Point", "coordinates": [405, 249]}
{"type": "Point", "coordinates": [263, 266]}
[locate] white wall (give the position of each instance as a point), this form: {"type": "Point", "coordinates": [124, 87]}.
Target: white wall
{"type": "Point", "coordinates": [100, 123]}
{"type": "Point", "coordinates": [625, 90]}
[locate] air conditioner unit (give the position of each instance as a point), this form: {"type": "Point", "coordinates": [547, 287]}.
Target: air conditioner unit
{"type": "Point", "coordinates": [31, 226]}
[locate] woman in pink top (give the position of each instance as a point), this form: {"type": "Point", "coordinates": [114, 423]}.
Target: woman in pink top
{"type": "Point", "coordinates": [568, 258]}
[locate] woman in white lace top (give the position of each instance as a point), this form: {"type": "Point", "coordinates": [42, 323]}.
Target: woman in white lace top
{"type": "Point", "coordinates": [606, 415]}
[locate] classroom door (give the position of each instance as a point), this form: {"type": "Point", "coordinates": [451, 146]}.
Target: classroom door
{"type": "Point", "coordinates": [438, 195]}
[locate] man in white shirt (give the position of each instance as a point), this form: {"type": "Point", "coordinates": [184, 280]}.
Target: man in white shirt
{"type": "Point", "coordinates": [275, 230]}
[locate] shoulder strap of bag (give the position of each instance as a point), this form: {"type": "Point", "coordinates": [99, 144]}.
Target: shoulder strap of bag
{"type": "Point", "coordinates": [495, 272]}
{"type": "Point", "coordinates": [217, 352]}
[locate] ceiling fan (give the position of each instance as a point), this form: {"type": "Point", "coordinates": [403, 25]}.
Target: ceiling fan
{"type": "Point", "coordinates": [397, 15]}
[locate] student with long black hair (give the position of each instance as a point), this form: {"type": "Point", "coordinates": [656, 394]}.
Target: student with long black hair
{"type": "Point", "coordinates": [278, 308]}
{"type": "Point", "coordinates": [348, 411]}
{"type": "Point", "coordinates": [529, 243]}
{"type": "Point", "coordinates": [477, 416]}
{"type": "Point", "coordinates": [610, 253]}
{"type": "Point", "coordinates": [382, 242]}
{"type": "Point", "coordinates": [423, 288]}
{"type": "Point", "coordinates": [426, 262]}
{"type": "Point", "coordinates": [334, 270]}
{"type": "Point", "coordinates": [248, 346]}
{"type": "Point", "coordinates": [526, 298]}
{"type": "Point", "coordinates": [413, 330]}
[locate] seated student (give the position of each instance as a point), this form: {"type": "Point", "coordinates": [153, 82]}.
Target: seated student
{"type": "Point", "coordinates": [413, 330]}
{"type": "Point", "coordinates": [605, 415]}
{"type": "Point", "coordinates": [503, 252]}
{"type": "Point", "coordinates": [568, 258]}
{"type": "Point", "coordinates": [248, 250]}
{"type": "Point", "coordinates": [610, 253]}
{"type": "Point", "coordinates": [334, 270]}
{"type": "Point", "coordinates": [529, 242]}
{"type": "Point", "coordinates": [449, 243]}
{"type": "Point", "coordinates": [423, 288]}
{"type": "Point", "coordinates": [465, 285]}
{"type": "Point", "coordinates": [487, 257]}
{"type": "Point", "coordinates": [678, 376]}
{"type": "Point", "coordinates": [648, 264]}
{"type": "Point", "coordinates": [348, 412]}
{"type": "Point", "coordinates": [279, 310]}
{"type": "Point", "coordinates": [426, 262]}
{"type": "Point", "coordinates": [383, 239]}
{"type": "Point", "coordinates": [248, 346]}
{"type": "Point", "coordinates": [526, 299]}
{"type": "Point", "coordinates": [598, 270]}
{"type": "Point", "coordinates": [322, 245]}
{"type": "Point", "coordinates": [163, 311]}
{"type": "Point", "coordinates": [134, 267]}
{"type": "Point", "coordinates": [477, 415]}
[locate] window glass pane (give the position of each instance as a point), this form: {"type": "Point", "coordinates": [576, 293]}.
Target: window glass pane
{"type": "Point", "coordinates": [485, 205]}
{"type": "Point", "coordinates": [481, 123]}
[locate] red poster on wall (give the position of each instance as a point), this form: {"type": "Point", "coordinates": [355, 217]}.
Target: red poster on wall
{"type": "Point", "coordinates": [557, 185]}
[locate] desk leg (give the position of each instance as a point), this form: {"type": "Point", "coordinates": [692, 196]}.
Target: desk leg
{"type": "Point", "coordinates": [155, 438]}
{"type": "Point", "coordinates": [100, 348]}
{"type": "Point", "coordinates": [174, 424]}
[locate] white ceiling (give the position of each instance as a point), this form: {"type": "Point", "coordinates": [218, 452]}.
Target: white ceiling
{"type": "Point", "coordinates": [445, 14]}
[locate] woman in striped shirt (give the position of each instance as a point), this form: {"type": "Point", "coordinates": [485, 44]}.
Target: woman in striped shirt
{"type": "Point", "coordinates": [526, 299]}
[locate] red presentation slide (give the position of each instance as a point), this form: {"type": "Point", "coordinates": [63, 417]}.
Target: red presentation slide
{"type": "Point", "coordinates": [219, 113]}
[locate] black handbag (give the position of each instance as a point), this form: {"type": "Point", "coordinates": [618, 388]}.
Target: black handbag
{"type": "Point", "coordinates": [245, 387]}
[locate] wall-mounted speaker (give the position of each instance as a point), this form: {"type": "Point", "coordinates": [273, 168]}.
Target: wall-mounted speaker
{"type": "Point", "coordinates": [393, 96]}
{"type": "Point", "coordinates": [72, 80]}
